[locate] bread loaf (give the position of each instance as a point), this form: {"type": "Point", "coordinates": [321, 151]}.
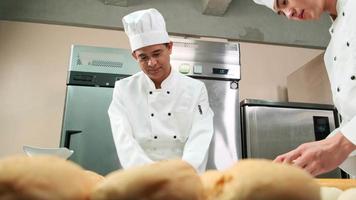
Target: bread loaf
{"type": "Point", "coordinates": [349, 194]}
{"type": "Point", "coordinates": [165, 180]}
{"type": "Point", "coordinates": [257, 179]}
{"type": "Point", "coordinates": [330, 193]}
{"type": "Point", "coordinates": [43, 178]}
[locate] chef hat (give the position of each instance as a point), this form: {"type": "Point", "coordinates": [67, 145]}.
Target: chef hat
{"type": "Point", "coordinates": [145, 28]}
{"type": "Point", "coordinates": [268, 3]}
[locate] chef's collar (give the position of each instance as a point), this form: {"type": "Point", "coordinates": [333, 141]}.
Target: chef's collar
{"type": "Point", "coordinates": [166, 83]}
{"type": "Point", "coordinates": [339, 6]}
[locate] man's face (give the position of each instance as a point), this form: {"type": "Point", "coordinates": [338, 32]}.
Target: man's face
{"type": "Point", "coordinates": [154, 61]}
{"type": "Point", "coordinates": [300, 9]}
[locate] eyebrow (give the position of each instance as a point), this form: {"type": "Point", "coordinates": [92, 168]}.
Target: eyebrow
{"type": "Point", "coordinates": [157, 51]}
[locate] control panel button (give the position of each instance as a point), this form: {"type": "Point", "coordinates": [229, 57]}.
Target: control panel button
{"type": "Point", "coordinates": [198, 69]}
{"type": "Point", "coordinates": [184, 68]}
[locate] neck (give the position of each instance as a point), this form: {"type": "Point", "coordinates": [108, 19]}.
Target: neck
{"type": "Point", "coordinates": [159, 82]}
{"type": "Point", "coordinates": [330, 7]}
{"type": "Point", "coordinates": [158, 85]}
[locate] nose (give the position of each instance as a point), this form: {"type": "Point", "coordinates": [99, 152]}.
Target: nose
{"type": "Point", "coordinates": [290, 13]}
{"type": "Point", "coordinates": [152, 61]}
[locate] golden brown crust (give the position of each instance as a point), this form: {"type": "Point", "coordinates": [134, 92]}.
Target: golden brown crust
{"type": "Point", "coordinates": [42, 178]}
{"type": "Point", "coordinates": [166, 180]}
{"type": "Point", "coordinates": [95, 177]}
{"type": "Point", "coordinates": [342, 184]}
{"type": "Point", "coordinates": [257, 179]}
{"type": "Point", "coordinates": [214, 182]}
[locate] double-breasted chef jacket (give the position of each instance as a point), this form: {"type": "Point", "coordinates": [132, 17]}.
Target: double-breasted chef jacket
{"type": "Point", "coordinates": [340, 61]}
{"type": "Point", "coordinates": [150, 124]}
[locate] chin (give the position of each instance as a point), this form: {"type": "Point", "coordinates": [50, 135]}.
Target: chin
{"type": "Point", "coordinates": [155, 77]}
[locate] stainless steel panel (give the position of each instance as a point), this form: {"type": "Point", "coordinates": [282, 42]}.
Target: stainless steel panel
{"type": "Point", "coordinates": [86, 111]}
{"type": "Point", "coordinates": [225, 148]}
{"type": "Point", "coordinates": [271, 131]}
{"type": "Point", "coordinates": [209, 55]}
{"type": "Point", "coordinates": [102, 60]}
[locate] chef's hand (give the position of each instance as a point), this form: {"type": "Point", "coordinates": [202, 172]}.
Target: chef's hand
{"type": "Point", "coordinates": [321, 156]}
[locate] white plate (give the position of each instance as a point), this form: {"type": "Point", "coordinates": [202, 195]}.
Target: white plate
{"type": "Point", "coordinates": [60, 152]}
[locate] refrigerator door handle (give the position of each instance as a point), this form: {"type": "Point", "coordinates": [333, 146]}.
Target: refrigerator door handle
{"type": "Point", "coordinates": [68, 135]}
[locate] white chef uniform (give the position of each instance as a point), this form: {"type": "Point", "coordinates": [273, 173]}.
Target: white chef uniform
{"type": "Point", "coordinates": [340, 61]}
{"type": "Point", "coordinates": [150, 124]}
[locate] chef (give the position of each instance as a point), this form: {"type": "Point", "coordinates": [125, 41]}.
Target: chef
{"type": "Point", "coordinates": [340, 59]}
{"type": "Point", "coordinates": [158, 113]}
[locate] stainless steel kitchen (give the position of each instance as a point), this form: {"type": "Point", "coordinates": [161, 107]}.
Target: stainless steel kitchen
{"type": "Point", "coordinates": [209, 99]}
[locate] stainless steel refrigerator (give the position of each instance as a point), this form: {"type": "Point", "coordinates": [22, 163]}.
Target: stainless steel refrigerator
{"type": "Point", "coordinates": [273, 128]}
{"type": "Point", "coordinates": [91, 77]}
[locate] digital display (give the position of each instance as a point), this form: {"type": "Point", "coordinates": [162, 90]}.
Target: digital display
{"type": "Point", "coordinates": [220, 71]}
{"type": "Point", "coordinates": [321, 127]}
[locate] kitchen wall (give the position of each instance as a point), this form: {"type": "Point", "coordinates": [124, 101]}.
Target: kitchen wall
{"type": "Point", "coordinates": [33, 66]}
{"type": "Point", "coordinates": [243, 20]}
{"type": "Point", "coordinates": [310, 83]}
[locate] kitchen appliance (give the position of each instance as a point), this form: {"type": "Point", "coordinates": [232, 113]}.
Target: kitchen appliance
{"type": "Point", "coordinates": [91, 77]}
{"type": "Point", "coordinates": [217, 64]}
{"type": "Point", "coordinates": [86, 127]}
{"type": "Point", "coordinates": [273, 128]}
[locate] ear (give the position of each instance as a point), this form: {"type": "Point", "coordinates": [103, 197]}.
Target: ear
{"type": "Point", "coordinates": [170, 47]}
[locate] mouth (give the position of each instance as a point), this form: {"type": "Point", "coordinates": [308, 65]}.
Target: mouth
{"type": "Point", "coordinates": [301, 15]}
{"type": "Point", "coordinates": [154, 71]}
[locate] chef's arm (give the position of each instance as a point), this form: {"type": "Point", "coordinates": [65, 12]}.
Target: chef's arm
{"type": "Point", "coordinates": [129, 151]}
{"type": "Point", "coordinates": [197, 145]}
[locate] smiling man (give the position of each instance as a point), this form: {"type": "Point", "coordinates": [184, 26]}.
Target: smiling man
{"type": "Point", "coordinates": [158, 113]}
{"type": "Point", "coordinates": [340, 60]}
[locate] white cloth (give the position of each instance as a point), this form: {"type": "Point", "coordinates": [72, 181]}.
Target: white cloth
{"type": "Point", "coordinates": [340, 61]}
{"type": "Point", "coordinates": [268, 3]}
{"type": "Point", "coordinates": [151, 124]}
{"type": "Point", "coordinates": [145, 28]}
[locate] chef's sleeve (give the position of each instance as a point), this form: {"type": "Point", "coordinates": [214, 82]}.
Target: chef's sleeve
{"type": "Point", "coordinates": [348, 129]}
{"type": "Point", "coordinates": [128, 150]}
{"type": "Point", "coordinates": [200, 136]}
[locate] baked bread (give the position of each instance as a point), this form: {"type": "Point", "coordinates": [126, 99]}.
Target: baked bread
{"type": "Point", "coordinates": [213, 182]}
{"type": "Point", "coordinates": [342, 184]}
{"type": "Point", "coordinates": [349, 194]}
{"type": "Point", "coordinates": [330, 193]}
{"type": "Point", "coordinates": [43, 178]}
{"type": "Point", "coordinates": [258, 179]}
{"type": "Point", "coordinates": [165, 180]}
{"type": "Point", "coordinates": [96, 178]}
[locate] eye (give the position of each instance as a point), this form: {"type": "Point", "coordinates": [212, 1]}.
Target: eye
{"type": "Point", "coordinates": [284, 2]}
{"type": "Point", "coordinates": [156, 55]}
{"type": "Point", "coordinates": [281, 13]}
{"type": "Point", "coordinates": [143, 58]}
